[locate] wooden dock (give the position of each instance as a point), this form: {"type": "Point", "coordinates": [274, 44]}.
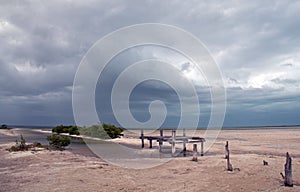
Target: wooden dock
{"type": "Point", "coordinates": [173, 139]}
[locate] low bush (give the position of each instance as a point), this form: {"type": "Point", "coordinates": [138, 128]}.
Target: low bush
{"type": "Point", "coordinates": [37, 144]}
{"type": "Point", "coordinates": [20, 145]}
{"type": "Point", "coordinates": [4, 126]}
{"type": "Point", "coordinates": [58, 141]}
{"type": "Point", "coordinates": [72, 130]}
{"type": "Point", "coordinates": [104, 131]}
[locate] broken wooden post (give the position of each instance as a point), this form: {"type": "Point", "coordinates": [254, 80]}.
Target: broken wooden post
{"type": "Point", "coordinates": [142, 138]}
{"type": "Point", "coordinates": [184, 143]}
{"type": "Point", "coordinates": [202, 148]}
{"type": "Point", "coordinates": [226, 150]}
{"type": "Point", "coordinates": [195, 153]}
{"type": "Point", "coordinates": [173, 142]}
{"type": "Point", "coordinates": [288, 171]}
{"type": "Point", "coordinates": [229, 166]}
{"type": "Point", "coordinates": [160, 142]}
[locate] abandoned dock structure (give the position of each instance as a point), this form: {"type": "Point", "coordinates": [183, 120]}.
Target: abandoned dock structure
{"type": "Point", "coordinates": [172, 139]}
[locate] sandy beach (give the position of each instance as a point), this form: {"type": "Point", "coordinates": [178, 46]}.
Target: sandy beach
{"type": "Point", "coordinates": [77, 169]}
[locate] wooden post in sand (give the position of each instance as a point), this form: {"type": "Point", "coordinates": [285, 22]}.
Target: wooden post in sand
{"type": "Point", "coordinates": [288, 171]}
{"type": "Point", "coordinates": [229, 166]}
{"type": "Point", "coordinates": [226, 150]}
{"type": "Point", "coordinates": [160, 143]}
{"type": "Point", "coordinates": [142, 138]}
{"type": "Point", "coordinates": [173, 142]}
{"type": "Point", "coordinates": [184, 143]}
{"type": "Point", "coordinates": [195, 153]}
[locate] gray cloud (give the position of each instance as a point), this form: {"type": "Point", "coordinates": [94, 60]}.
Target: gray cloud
{"type": "Point", "coordinates": [255, 43]}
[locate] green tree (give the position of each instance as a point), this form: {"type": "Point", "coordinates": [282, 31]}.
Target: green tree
{"type": "Point", "coordinates": [104, 131]}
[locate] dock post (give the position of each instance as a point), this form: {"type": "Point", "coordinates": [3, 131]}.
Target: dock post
{"type": "Point", "coordinates": [142, 138]}
{"type": "Point", "coordinates": [195, 153]}
{"type": "Point", "coordinates": [161, 132]}
{"type": "Point", "coordinates": [173, 142]}
{"type": "Point", "coordinates": [184, 142]}
{"type": "Point", "coordinates": [202, 149]}
{"type": "Point", "coordinates": [150, 143]}
{"type": "Point", "coordinates": [160, 140]}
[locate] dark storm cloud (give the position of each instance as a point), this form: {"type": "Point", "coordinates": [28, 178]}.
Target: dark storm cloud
{"type": "Point", "coordinates": [255, 43]}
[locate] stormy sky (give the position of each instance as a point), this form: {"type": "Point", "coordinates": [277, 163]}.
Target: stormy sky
{"type": "Point", "coordinates": [255, 44]}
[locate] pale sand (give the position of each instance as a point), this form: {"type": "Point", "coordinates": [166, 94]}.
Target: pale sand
{"type": "Point", "coordinates": [71, 171]}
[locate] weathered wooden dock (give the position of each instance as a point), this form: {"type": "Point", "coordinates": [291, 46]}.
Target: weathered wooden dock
{"type": "Point", "coordinates": [173, 139]}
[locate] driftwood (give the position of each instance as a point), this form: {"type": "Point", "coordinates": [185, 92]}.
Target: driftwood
{"type": "Point", "coordinates": [237, 169]}
{"type": "Point", "coordinates": [229, 166]}
{"type": "Point", "coordinates": [288, 171]}
{"type": "Point", "coordinates": [282, 175]}
{"type": "Point", "coordinates": [195, 153]}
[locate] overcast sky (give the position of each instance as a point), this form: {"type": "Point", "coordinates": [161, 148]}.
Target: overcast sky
{"type": "Point", "coordinates": [255, 43]}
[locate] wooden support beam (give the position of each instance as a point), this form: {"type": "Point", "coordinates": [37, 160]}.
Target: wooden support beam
{"type": "Point", "coordinates": [202, 148]}
{"type": "Point", "coordinates": [150, 143]}
{"type": "Point", "coordinates": [184, 143]}
{"type": "Point", "coordinates": [195, 153]}
{"type": "Point", "coordinates": [161, 132]}
{"type": "Point", "coordinates": [160, 142]}
{"type": "Point", "coordinates": [229, 166]}
{"type": "Point", "coordinates": [288, 171]}
{"type": "Point", "coordinates": [173, 142]}
{"type": "Point", "coordinates": [142, 138]}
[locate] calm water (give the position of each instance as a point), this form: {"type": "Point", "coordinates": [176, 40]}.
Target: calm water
{"type": "Point", "coordinates": [30, 135]}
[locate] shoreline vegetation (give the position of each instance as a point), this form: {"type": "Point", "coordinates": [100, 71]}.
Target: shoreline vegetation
{"type": "Point", "coordinates": [257, 156]}
{"type": "Point", "coordinates": [62, 135]}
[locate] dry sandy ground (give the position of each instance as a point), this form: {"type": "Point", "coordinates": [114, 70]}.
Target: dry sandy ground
{"type": "Point", "coordinates": [70, 170]}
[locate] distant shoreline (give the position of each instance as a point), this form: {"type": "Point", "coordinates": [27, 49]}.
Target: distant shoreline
{"type": "Point", "coordinates": [199, 128]}
{"type": "Point", "coordinates": [262, 127]}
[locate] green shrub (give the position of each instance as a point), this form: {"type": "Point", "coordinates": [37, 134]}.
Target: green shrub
{"type": "Point", "coordinates": [112, 131]}
{"type": "Point", "coordinates": [104, 131]}
{"type": "Point", "coordinates": [72, 130]}
{"type": "Point", "coordinates": [58, 141]}
{"type": "Point", "coordinates": [4, 126]}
